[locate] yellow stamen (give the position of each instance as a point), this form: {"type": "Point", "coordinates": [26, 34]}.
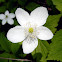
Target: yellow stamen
{"type": "Point", "coordinates": [31, 30]}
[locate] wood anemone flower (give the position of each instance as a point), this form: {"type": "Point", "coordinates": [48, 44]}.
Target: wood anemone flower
{"type": "Point", "coordinates": [31, 28]}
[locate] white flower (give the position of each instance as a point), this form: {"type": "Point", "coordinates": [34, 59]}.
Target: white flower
{"type": "Point", "coordinates": [7, 17]}
{"type": "Point", "coordinates": [31, 28]}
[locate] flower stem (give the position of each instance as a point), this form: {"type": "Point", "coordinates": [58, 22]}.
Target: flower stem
{"type": "Point", "coordinates": [15, 59]}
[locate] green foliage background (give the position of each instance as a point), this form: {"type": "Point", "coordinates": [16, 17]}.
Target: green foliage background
{"type": "Point", "coordinates": [46, 51]}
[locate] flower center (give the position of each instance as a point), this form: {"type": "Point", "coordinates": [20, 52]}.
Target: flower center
{"type": "Point", "coordinates": [6, 16]}
{"type": "Point", "coordinates": [31, 30]}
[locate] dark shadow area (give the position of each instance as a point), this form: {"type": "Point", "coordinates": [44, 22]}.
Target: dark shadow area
{"type": "Point", "coordinates": [59, 24]}
{"type": "Point", "coordinates": [52, 61]}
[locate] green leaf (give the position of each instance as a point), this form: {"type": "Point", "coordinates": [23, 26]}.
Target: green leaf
{"type": "Point", "coordinates": [22, 2]}
{"type": "Point", "coordinates": [41, 51]}
{"type": "Point", "coordinates": [4, 43]}
{"type": "Point", "coordinates": [2, 1]}
{"type": "Point", "coordinates": [13, 10]}
{"type": "Point", "coordinates": [52, 22]}
{"type": "Point", "coordinates": [55, 52]}
{"type": "Point", "coordinates": [15, 22]}
{"type": "Point", "coordinates": [1, 49]}
{"type": "Point", "coordinates": [22, 55]}
{"type": "Point", "coordinates": [31, 6]}
{"type": "Point", "coordinates": [49, 2]}
{"type": "Point", "coordinates": [11, 56]}
{"type": "Point", "coordinates": [2, 8]}
{"type": "Point", "coordinates": [4, 55]}
{"type": "Point", "coordinates": [14, 47]}
{"type": "Point", "coordinates": [58, 4]}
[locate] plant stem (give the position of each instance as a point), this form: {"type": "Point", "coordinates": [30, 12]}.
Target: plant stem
{"type": "Point", "coordinates": [15, 59]}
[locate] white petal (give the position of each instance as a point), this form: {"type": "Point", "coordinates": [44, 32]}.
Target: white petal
{"type": "Point", "coordinates": [3, 21]}
{"type": "Point", "coordinates": [16, 34]}
{"type": "Point", "coordinates": [2, 16]}
{"type": "Point", "coordinates": [44, 33]}
{"type": "Point", "coordinates": [7, 12]}
{"type": "Point", "coordinates": [29, 45]}
{"type": "Point", "coordinates": [11, 15]}
{"type": "Point", "coordinates": [10, 21]}
{"type": "Point", "coordinates": [22, 16]}
{"type": "Point", "coordinates": [39, 16]}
